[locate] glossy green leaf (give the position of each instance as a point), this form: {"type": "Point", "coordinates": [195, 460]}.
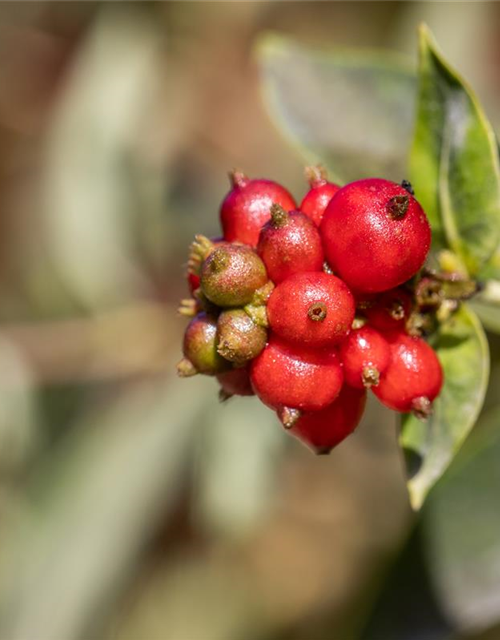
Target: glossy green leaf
{"type": "Point", "coordinates": [350, 111]}
{"type": "Point", "coordinates": [430, 446]}
{"type": "Point", "coordinates": [454, 163]}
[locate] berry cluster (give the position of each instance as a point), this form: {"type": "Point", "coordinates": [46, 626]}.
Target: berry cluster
{"type": "Point", "coordinates": [309, 306]}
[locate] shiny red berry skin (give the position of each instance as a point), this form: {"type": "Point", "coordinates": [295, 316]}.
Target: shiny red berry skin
{"type": "Point", "coordinates": [314, 309]}
{"type": "Point", "coordinates": [389, 311]}
{"type": "Point", "coordinates": [246, 208]}
{"type": "Point", "coordinates": [375, 235]}
{"type": "Point", "coordinates": [365, 354]}
{"type": "Point", "coordinates": [323, 430]}
{"type": "Point", "coordinates": [289, 243]}
{"type": "Point", "coordinates": [286, 376]}
{"type": "Point", "coordinates": [413, 378]}
{"type": "Point", "coordinates": [319, 195]}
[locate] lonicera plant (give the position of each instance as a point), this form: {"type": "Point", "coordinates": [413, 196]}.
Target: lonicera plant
{"type": "Point", "coordinates": [361, 287]}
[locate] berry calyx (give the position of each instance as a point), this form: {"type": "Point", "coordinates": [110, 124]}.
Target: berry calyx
{"type": "Point", "coordinates": [319, 195]}
{"type": "Point", "coordinates": [231, 274]}
{"type": "Point", "coordinates": [296, 378]}
{"type": "Point", "coordinates": [389, 311]}
{"type": "Point", "coordinates": [375, 235]}
{"type": "Point", "coordinates": [313, 309]}
{"type": "Point", "coordinates": [323, 430]}
{"type": "Point", "coordinates": [413, 378]}
{"type": "Point", "coordinates": [246, 208]}
{"type": "Point", "coordinates": [200, 348]}
{"type": "Point", "coordinates": [289, 243]}
{"type": "Point", "coordinates": [235, 382]}
{"type": "Point", "coordinates": [365, 354]}
{"type": "Point", "coordinates": [239, 338]}
{"type": "Point", "coordinates": [199, 250]}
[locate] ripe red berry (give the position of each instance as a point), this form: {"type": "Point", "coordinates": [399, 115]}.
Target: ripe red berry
{"type": "Point", "coordinates": [231, 274]}
{"type": "Point", "coordinates": [289, 243]}
{"type": "Point", "coordinates": [314, 309]}
{"type": "Point", "coordinates": [294, 377]}
{"type": "Point", "coordinates": [322, 430]}
{"type": "Point", "coordinates": [390, 311]}
{"type": "Point", "coordinates": [414, 377]}
{"type": "Point", "coordinates": [235, 382]}
{"type": "Point", "coordinates": [365, 354]}
{"type": "Point", "coordinates": [319, 195]}
{"type": "Point", "coordinates": [200, 348]}
{"type": "Point", "coordinates": [246, 208]}
{"type": "Point", "coordinates": [375, 235]}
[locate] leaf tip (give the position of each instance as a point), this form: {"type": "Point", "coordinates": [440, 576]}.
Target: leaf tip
{"type": "Point", "coordinates": [416, 495]}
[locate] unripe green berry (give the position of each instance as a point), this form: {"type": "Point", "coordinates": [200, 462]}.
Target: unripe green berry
{"type": "Point", "coordinates": [200, 348]}
{"type": "Point", "coordinates": [231, 274]}
{"type": "Point", "coordinates": [239, 338]}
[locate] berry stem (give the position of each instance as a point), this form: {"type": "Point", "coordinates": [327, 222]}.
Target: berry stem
{"type": "Point", "coordinates": [288, 416]}
{"type": "Point", "coordinates": [327, 268]}
{"type": "Point", "coordinates": [279, 217]}
{"type": "Point", "coordinates": [421, 407]}
{"type": "Point", "coordinates": [238, 179]}
{"type": "Point", "coordinates": [370, 377]}
{"type": "Point", "coordinates": [258, 314]}
{"type": "Point", "coordinates": [397, 207]}
{"type": "Point", "coordinates": [317, 311]}
{"type": "Point", "coordinates": [186, 369]}
{"type": "Point", "coordinates": [316, 175]}
{"type": "Point", "coordinates": [188, 307]}
{"type": "Point", "coordinates": [396, 310]}
{"type": "Point", "coordinates": [224, 395]}
{"type": "Point", "coordinates": [199, 250]}
{"type": "Point", "coordinates": [323, 451]}
{"type": "Point", "coordinates": [406, 184]}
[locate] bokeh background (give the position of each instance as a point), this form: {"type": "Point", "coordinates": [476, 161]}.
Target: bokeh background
{"type": "Point", "coordinates": [133, 506]}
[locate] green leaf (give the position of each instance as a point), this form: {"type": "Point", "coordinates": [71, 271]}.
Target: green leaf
{"type": "Point", "coordinates": [461, 524]}
{"type": "Point", "coordinates": [351, 111]}
{"type": "Point", "coordinates": [430, 447]}
{"type": "Point", "coordinates": [454, 163]}
{"type": "Point", "coordinates": [487, 306]}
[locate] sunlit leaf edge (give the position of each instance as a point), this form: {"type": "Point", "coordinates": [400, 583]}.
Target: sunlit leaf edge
{"type": "Point", "coordinates": [427, 43]}
{"type": "Point", "coordinates": [417, 493]}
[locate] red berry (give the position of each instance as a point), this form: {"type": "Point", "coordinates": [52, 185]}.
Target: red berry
{"type": "Point", "coordinates": [365, 354]}
{"type": "Point", "coordinates": [390, 311]}
{"type": "Point", "coordinates": [414, 377]}
{"type": "Point", "coordinates": [375, 235]}
{"type": "Point", "coordinates": [314, 309]}
{"type": "Point", "coordinates": [289, 243]}
{"type": "Point", "coordinates": [322, 430]}
{"type": "Point", "coordinates": [235, 383]}
{"type": "Point", "coordinates": [319, 195]}
{"type": "Point", "coordinates": [294, 377]}
{"type": "Point", "coordinates": [246, 208]}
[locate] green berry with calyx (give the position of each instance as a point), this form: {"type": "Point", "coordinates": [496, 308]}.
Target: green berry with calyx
{"type": "Point", "coordinates": [231, 274]}
{"type": "Point", "coordinates": [239, 338]}
{"type": "Point", "coordinates": [200, 348]}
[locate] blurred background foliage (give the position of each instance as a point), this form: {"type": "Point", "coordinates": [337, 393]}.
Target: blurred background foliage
{"type": "Point", "coordinates": [133, 505]}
